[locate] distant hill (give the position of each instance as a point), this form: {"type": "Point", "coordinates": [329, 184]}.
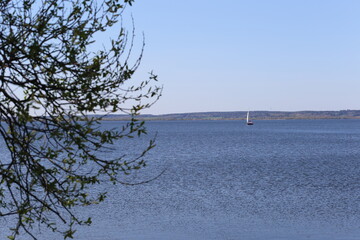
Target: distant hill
{"type": "Point", "coordinates": [240, 115]}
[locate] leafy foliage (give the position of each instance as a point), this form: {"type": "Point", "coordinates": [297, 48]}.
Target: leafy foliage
{"type": "Point", "coordinates": [50, 82]}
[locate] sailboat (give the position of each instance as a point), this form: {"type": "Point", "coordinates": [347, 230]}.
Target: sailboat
{"type": "Point", "coordinates": [248, 121]}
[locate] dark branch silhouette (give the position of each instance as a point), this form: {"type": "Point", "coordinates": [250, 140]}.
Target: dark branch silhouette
{"type": "Point", "coordinates": [51, 80]}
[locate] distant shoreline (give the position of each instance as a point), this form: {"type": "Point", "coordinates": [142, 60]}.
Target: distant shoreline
{"type": "Point", "coordinates": [241, 115]}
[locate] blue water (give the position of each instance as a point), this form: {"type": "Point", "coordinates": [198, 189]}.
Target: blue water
{"type": "Point", "coordinates": [293, 179]}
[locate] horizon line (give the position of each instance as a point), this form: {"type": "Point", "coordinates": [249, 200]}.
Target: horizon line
{"type": "Point", "coordinates": [293, 111]}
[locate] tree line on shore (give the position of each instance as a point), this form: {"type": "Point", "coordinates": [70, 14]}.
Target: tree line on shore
{"type": "Point", "coordinates": [241, 115]}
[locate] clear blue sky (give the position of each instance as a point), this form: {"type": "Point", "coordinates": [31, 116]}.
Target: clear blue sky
{"type": "Point", "coordinates": [235, 55]}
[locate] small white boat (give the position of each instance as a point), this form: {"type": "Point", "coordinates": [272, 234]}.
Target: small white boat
{"type": "Point", "coordinates": [248, 121]}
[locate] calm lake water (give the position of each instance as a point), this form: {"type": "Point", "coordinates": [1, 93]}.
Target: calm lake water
{"type": "Point", "coordinates": [293, 179]}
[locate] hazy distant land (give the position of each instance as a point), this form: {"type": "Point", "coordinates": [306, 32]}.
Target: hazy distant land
{"type": "Point", "coordinates": [241, 115]}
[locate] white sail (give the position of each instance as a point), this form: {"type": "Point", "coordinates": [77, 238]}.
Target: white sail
{"type": "Point", "coordinates": [248, 121]}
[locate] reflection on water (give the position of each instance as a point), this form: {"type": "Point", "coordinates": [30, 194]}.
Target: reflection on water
{"type": "Point", "coordinates": [225, 180]}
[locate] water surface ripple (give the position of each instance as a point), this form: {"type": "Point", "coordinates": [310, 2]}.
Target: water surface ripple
{"type": "Point", "coordinates": [294, 179]}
